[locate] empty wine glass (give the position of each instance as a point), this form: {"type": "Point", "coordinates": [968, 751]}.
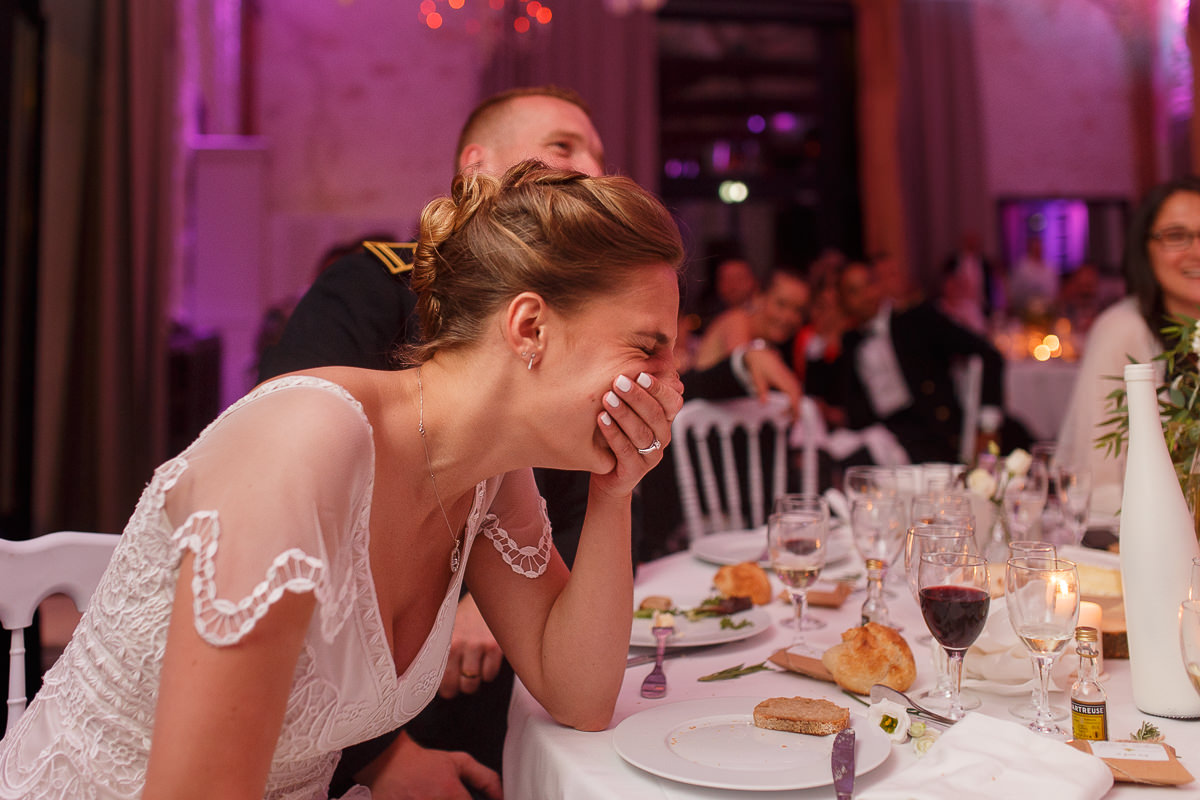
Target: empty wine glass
{"type": "Point", "coordinates": [1189, 639]}
{"type": "Point", "coordinates": [1024, 501]}
{"type": "Point", "coordinates": [877, 525]}
{"type": "Point", "coordinates": [925, 538]}
{"type": "Point", "coordinates": [868, 481]}
{"type": "Point", "coordinates": [1042, 595]}
{"type": "Point", "coordinates": [797, 533]}
{"type": "Point", "coordinates": [1074, 485]}
{"type": "Point", "coordinates": [953, 588]}
{"type": "Point", "coordinates": [938, 506]}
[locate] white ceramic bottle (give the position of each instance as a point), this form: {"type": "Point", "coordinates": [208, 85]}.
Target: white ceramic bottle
{"type": "Point", "coordinates": [1158, 542]}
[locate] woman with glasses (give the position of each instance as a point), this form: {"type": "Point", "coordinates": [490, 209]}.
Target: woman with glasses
{"type": "Point", "coordinates": [1162, 272]}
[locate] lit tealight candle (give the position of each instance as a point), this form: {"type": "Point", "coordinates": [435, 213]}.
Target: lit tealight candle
{"type": "Point", "coordinates": [1090, 616]}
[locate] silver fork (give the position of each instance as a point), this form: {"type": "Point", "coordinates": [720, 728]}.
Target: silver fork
{"type": "Point", "coordinates": [655, 684]}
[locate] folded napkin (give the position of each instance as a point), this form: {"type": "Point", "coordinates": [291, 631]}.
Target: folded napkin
{"type": "Point", "coordinates": [999, 662]}
{"type": "Point", "coordinates": [985, 757]}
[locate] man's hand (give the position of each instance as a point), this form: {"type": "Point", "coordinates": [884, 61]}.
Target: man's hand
{"type": "Point", "coordinates": [408, 771]}
{"type": "Point", "coordinates": [474, 656]}
{"type": "Point", "coordinates": [769, 371]}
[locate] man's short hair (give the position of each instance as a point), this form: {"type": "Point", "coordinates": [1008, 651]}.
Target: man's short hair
{"type": "Point", "coordinates": [490, 108]}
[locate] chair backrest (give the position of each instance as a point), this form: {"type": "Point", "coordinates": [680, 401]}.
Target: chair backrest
{"type": "Point", "coordinates": [969, 383]}
{"type": "Point", "coordinates": [66, 562]}
{"type": "Point", "coordinates": [693, 426]}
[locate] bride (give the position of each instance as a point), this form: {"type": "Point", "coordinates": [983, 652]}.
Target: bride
{"type": "Point", "coordinates": [286, 586]}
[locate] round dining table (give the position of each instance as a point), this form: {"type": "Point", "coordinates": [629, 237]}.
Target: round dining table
{"type": "Point", "coordinates": [545, 760]}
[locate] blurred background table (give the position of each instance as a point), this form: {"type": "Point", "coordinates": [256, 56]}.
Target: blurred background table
{"type": "Point", "coordinates": [1037, 393]}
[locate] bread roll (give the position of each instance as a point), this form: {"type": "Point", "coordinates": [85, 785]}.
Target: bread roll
{"type": "Point", "coordinates": [744, 580]}
{"type": "Point", "coordinates": [868, 655]}
{"type": "Point", "coordinates": [801, 715]}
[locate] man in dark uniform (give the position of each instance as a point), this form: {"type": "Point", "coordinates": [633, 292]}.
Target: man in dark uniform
{"type": "Point", "coordinates": [357, 312]}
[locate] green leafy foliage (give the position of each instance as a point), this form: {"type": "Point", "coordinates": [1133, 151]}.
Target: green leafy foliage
{"type": "Point", "coordinates": [1177, 400]}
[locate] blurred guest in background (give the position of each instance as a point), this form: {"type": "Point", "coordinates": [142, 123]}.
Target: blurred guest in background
{"type": "Point", "coordinates": [1079, 297]}
{"type": "Point", "coordinates": [773, 315]}
{"type": "Point", "coordinates": [1033, 285]}
{"type": "Point", "coordinates": [820, 339]}
{"type": "Point", "coordinates": [958, 301]}
{"type": "Point", "coordinates": [895, 368]}
{"type": "Point", "coordinates": [729, 281]}
{"type": "Point", "coordinates": [975, 277]}
{"type": "Point", "coordinates": [895, 282]}
{"type": "Point", "coordinates": [1162, 270]}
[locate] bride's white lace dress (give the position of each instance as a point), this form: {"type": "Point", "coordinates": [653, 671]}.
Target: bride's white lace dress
{"type": "Point", "coordinates": [262, 516]}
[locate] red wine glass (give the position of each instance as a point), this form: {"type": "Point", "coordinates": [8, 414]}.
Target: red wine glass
{"type": "Point", "coordinates": [953, 588]}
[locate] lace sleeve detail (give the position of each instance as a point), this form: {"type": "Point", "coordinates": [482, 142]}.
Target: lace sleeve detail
{"type": "Point", "coordinates": [529, 560]}
{"type": "Point", "coordinates": [222, 621]}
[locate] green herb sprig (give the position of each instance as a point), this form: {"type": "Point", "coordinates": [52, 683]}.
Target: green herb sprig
{"type": "Point", "coordinates": [1149, 732]}
{"type": "Point", "coordinates": [736, 672]}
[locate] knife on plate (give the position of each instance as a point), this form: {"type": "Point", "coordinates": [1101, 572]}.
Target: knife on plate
{"type": "Point", "coordinates": [648, 658]}
{"type": "Point", "coordinates": [843, 764]}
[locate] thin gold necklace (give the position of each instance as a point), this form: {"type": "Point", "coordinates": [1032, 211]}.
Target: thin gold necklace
{"type": "Point", "coordinates": [456, 553]}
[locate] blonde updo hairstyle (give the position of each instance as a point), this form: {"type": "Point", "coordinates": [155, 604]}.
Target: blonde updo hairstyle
{"type": "Point", "coordinates": [568, 237]}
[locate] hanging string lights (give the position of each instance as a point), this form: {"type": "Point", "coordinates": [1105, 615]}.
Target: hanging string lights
{"type": "Point", "coordinates": [526, 14]}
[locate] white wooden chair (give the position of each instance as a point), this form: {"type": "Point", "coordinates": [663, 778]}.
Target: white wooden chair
{"type": "Point", "coordinates": [67, 562]}
{"type": "Point", "coordinates": [694, 424]}
{"type": "Point", "coordinates": [969, 384]}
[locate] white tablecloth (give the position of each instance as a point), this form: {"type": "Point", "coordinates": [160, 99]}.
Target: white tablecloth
{"type": "Point", "coordinates": [544, 760]}
{"type": "Point", "coordinates": [1037, 393]}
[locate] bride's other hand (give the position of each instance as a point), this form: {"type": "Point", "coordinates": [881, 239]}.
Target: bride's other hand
{"type": "Point", "coordinates": [637, 414]}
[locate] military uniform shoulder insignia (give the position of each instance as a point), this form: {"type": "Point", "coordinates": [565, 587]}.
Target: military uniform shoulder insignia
{"type": "Point", "coordinates": [397, 257]}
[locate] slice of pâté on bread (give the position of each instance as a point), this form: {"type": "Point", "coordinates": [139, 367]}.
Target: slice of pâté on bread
{"type": "Point", "coordinates": [801, 715]}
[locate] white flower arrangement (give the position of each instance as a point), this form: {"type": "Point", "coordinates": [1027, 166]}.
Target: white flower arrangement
{"type": "Point", "coordinates": [982, 483]}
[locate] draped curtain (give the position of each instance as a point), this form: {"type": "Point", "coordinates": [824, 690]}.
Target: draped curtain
{"type": "Point", "coordinates": [611, 60]}
{"type": "Point", "coordinates": [941, 136]}
{"type": "Point", "coordinates": [108, 239]}
{"type": "Point", "coordinates": [921, 145]}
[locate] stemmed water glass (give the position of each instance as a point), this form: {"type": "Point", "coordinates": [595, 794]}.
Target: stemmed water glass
{"type": "Point", "coordinates": [1074, 485]}
{"type": "Point", "coordinates": [1025, 499]}
{"type": "Point", "coordinates": [1042, 595]}
{"type": "Point", "coordinates": [953, 588]}
{"type": "Point", "coordinates": [1027, 548]}
{"type": "Point", "coordinates": [797, 532]}
{"type": "Point", "coordinates": [877, 525]}
{"type": "Point", "coordinates": [925, 538]}
{"type": "Point", "coordinates": [1189, 638]}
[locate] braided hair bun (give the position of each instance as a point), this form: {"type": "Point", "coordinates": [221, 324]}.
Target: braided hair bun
{"type": "Point", "coordinates": [562, 234]}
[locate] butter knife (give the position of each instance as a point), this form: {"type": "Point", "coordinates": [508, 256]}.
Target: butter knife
{"type": "Point", "coordinates": [843, 764]}
{"type": "Point", "coordinates": [648, 658]}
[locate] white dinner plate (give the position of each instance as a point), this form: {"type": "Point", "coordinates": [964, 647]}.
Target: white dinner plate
{"type": "Point", "coordinates": [703, 631]}
{"type": "Point", "coordinates": [713, 742]}
{"type": "Point", "coordinates": [734, 547]}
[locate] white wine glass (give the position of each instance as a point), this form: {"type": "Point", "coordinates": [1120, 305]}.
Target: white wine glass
{"type": "Point", "coordinates": [946, 537]}
{"type": "Point", "coordinates": [1025, 500]}
{"type": "Point", "coordinates": [797, 537]}
{"type": "Point", "coordinates": [1027, 548]}
{"type": "Point", "coordinates": [1189, 639]}
{"type": "Point", "coordinates": [953, 588]}
{"type": "Point", "coordinates": [878, 526]}
{"type": "Point", "coordinates": [1042, 595]}
{"type": "Point", "coordinates": [1074, 486]}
